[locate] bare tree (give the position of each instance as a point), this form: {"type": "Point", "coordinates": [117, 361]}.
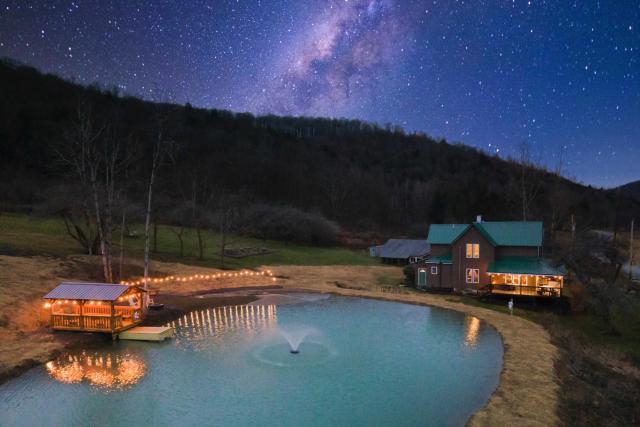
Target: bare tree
{"type": "Point", "coordinates": [161, 148]}
{"type": "Point", "coordinates": [226, 218]}
{"type": "Point", "coordinates": [336, 187]}
{"type": "Point", "coordinates": [559, 196]}
{"type": "Point", "coordinates": [68, 202]}
{"type": "Point", "coordinates": [179, 217]}
{"type": "Point", "coordinates": [530, 182]}
{"type": "Point", "coordinates": [596, 262]}
{"type": "Point", "coordinates": [201, 199]}
{"type": "Point", "coordinates": [93, 152]}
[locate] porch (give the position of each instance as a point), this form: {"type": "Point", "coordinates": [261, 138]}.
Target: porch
{"type": "Point", "coordinates": [526, 276]}
{"type": "Point", "coordinates": [526, 285]}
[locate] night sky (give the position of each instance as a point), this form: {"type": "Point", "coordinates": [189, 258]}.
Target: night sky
{"type": "Point", "coordinates": [563, 75]}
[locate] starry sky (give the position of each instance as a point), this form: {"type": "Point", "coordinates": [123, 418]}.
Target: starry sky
{"type": "Point", "coordinates": [562, 75]}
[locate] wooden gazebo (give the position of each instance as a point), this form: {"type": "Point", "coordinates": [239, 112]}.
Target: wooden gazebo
{"type": "Point", "coordinates": [94, 307]}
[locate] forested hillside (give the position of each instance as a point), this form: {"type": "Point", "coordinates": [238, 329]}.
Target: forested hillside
{"type": "Point", "coordinates": [631, 189]}
{"type": "Point", "coordinates": [361, 176]}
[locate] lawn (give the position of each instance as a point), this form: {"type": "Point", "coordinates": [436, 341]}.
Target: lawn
{"type": "Point", "coordinates": [29, 235]}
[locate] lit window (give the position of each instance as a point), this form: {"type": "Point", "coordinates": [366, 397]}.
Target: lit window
{"type": "Point", "coordinates": [473, 275]}
{"type": "Point", "coordinates": [434, 270]}
{"type": "Point", "coordinates": [473, 250]}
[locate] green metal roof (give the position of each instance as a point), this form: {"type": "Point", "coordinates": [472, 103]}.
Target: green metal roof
{"type": "Point", "coordinates": [498, 233]}
{"type": "Point", "coordinates": [525, 265]}
{"type": "Point", "coordinates": [512, 233]}
{"type": "Point", "coordinates": [444, 234]}
{"type": "Point", "coordinates": [438, 259]}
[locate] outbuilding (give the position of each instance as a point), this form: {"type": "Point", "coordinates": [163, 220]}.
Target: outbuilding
{"type": "Point", "coordinates": [401, 251]}
{"type": "Point", "coordinates": [94, 307]}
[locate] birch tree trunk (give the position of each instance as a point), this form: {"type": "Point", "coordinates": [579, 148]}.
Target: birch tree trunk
{"type": "Point", "coordinates": [158, 153]}
{"type": "Point", "coordinates": [147, 224]}
{"type": "Point", "coordinates": [121, 263]}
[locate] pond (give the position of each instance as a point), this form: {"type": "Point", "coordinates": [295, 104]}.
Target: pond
{"type": "Point", "coordinates": [360, 362]}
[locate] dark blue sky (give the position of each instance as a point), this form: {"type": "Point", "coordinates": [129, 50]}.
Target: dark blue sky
{"type": "Point", "coordinates": [562, 75]}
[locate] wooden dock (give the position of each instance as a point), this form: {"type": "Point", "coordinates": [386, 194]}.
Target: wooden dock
{"type": "Point", "coordinates": [147, 333]}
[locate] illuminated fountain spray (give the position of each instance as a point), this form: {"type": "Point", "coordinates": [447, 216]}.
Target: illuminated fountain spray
{"type": "Point", "coordinates": [295, 336]}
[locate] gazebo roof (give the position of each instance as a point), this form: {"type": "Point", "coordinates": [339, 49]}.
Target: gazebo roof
{"type": "Point", "coordinates": [87, 291]}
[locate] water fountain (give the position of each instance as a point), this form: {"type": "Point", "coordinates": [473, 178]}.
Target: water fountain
{"type": "Point", "coordinates": [295, 336]}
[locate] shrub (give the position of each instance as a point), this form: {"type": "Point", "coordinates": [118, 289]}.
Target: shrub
{"type": "Point", "coordinates": [289, 224]}
{"type": "Point", "coordinates": [409, 276]}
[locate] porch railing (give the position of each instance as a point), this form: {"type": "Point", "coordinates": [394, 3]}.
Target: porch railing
{"type": "Point", "coordinates": [550, 291]}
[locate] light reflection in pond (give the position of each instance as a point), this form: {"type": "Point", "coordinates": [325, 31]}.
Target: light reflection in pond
{"type": "Point", "coordinates": [108, 370]}
{"type": "Point", "coordinates": [472, 327]}
{"type": "Point", "coordinates": [219, 321]}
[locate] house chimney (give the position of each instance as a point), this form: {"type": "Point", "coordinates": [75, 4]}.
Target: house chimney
{"type": "Point", "coordinates": [479, 218]}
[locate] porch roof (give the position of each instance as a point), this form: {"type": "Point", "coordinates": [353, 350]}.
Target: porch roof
{"type": "Point", "coordinates": [440, 259]}
{"type": "Point", "coordinates": [87, 291]}
{"type": "Point", "coordinates": [525, 265]}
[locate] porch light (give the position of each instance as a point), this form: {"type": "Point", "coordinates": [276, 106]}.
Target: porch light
{"type": "Point", "coordinates": [47, 305]}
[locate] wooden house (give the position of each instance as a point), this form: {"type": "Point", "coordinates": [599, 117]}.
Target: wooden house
{"type": "Point", "coordinates": [94, 307]}
{"type": "Point", "coordinates": [485, 256]}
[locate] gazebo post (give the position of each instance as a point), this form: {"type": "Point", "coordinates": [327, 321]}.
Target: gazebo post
{"type": "Point", "coordinates": [113, 319]}
{"type": "Point", "coordinates": [81, 314]}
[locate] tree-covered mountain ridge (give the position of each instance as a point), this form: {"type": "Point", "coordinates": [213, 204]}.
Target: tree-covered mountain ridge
{"type": "Point", "coordinates": [359, 175]}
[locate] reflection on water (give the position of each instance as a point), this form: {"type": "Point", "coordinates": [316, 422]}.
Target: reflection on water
{"type": "Point", "coordinates": [471, 327]}
{"type": "Point", "coordinates": [109, 370]}
{"type": "Point", "coordinates": [219, 321]}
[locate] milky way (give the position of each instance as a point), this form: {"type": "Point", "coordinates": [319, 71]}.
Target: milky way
{"type": "Point", "coordinates": [337, 64]}
{"type": "Point", "coordinates": [562, 75]}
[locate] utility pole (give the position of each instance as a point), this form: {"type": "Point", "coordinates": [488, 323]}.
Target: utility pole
{"type": "Point", "coordinates": [631, 253]}
{"type": "Point", "coordinates": [573, 231]}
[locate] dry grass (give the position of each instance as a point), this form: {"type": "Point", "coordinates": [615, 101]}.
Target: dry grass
{"type": "Point", "coordinates": [23, 282]}
{"type": "Point", "coordinates": [527, 393]}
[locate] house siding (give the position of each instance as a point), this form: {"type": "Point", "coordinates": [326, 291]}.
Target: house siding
{"type": "Point", "coordinates": [461, 262]}
{"type": "Point", "coordinates": [440, 280]}
{"type": "Point", "coordinates": [440, 249]}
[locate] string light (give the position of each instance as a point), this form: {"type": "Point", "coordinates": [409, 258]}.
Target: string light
{"type": "Point", "coordinates": [189, 278]}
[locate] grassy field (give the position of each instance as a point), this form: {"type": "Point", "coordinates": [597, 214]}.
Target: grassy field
{"type": "Point", "coordinates": [26, 235]}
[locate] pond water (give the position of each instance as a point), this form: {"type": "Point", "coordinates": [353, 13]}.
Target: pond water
{"type": "Point", "coordinates": [360, 362]}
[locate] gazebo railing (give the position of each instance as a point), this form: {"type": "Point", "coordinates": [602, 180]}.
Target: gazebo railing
{"type": "Point", "coordinates": [95, 322]}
